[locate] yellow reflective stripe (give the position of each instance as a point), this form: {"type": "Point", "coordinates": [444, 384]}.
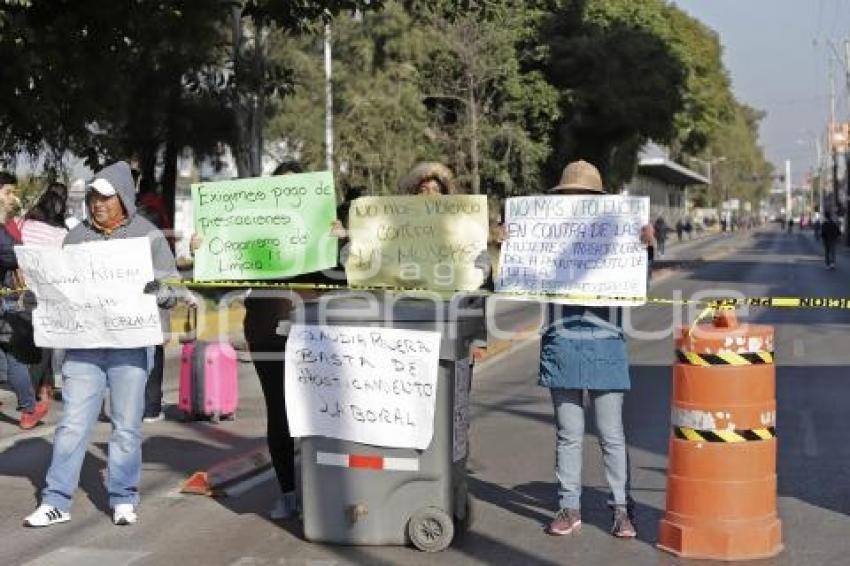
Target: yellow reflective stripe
{"type": "Point", "coordinates": [729, 436]}
{"type": "Point", "coordinates": [695, 359]}
{"type": "Point", "coordinates": [785, 302]}
{"type": "Point", "coordinates": [763, 433]}
{"type": "Point", "coordinates": [691, 434]}
{"type": "Point", "coordinates": [733, 358]}
{"type": "Point", "coordinates": [767, 357]}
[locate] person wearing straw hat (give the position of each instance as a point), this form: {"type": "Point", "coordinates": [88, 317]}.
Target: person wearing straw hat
{"type": "Point", "coordinates": [428, 178]}
{"type": "Point", "coordinates": [583, 354]}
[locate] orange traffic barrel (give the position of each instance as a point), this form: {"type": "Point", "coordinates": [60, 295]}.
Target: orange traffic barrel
{"type": "Point", "coordinates": [721, 477]}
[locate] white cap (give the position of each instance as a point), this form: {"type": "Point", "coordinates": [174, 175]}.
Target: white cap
{"type": "Point", "coordinates": [103, 187]}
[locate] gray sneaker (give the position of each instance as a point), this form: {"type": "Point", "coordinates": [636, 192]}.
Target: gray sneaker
{"type": "Point", "coordinates": [285, 508]}
{"type": "Point", "coordinates": [566, 521]}
{"type": "Point", "coordinates": [622, 527]}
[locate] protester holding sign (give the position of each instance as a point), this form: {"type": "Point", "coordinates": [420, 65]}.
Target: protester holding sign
{"type": "Point", "coordinates": [434, 240]}
{"type": "Point", "coordinates": [44, 225]}
{"type": "Point", "coordinates": [88, 373]}
{"type": "Point", "coordinates": [583, 349]}
{"type": "Point", "coordinates": [264, 228]}
{"type": "Point", "coordinates": [266, 308]}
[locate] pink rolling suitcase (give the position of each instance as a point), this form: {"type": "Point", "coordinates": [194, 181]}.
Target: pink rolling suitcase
{"type": "Point", "coordinates": [209, 385]}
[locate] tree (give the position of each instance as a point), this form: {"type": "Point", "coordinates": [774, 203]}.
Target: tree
{"type": "Point", "coordinates": [380, 121]}
{"type": "Point", "coordinates": [494, 112]}
{"type": "Point", "coordinates": [620, 82]}
{"type": "Point", "coordinates": [744, 173]}
{"type": "Point", "coordinates": [255, 79]}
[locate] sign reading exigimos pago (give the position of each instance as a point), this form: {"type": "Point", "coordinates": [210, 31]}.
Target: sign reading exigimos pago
{"type": "Point", "coordinates": [264, 227]}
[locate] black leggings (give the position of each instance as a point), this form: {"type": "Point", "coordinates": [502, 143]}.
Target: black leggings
{"type": "Point", "coordinates": [262, 316]}
{"type": "Point", "coordinates": [829, 250]}
{"type": "Point", "coordinates": [281, 445]}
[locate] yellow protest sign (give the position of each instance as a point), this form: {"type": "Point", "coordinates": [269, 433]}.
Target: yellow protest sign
{"type": "Point", "coordinates": [433, 242]}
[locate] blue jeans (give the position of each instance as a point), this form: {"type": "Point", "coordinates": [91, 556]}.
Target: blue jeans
{"type": "Point", "coordinates": [569, 419]}
{"type": "Point", "coordinates": [18, 376]}
{"type": "Point", "coordinates": [87, 374]}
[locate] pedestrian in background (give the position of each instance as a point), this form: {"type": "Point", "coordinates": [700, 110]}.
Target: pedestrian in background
{"type": "Point", "coordinates": [15, 328]}
{"type": "Point", "coordinates": [44, 225]}
{"type": "Point", "coordinates": [583, 352]}
{"type": "Point", "coordinates": [680, 228]}
{"type": "Point", "coordinates": [90, 373]}
{"type": "Point", "coordinates": [830, 232]}
{"type": "Point", "coordinates": [151, 206]}
{"type": "Point", "coordinates": [661, 230]}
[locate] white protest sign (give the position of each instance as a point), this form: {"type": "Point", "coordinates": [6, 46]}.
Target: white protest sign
{"type": "Point", "coordinates": [460, 414]}
{"type": "Point", "coordinates": [363, 384]}
{"type": "Point", "coordinates": [582, 245]}
{"type": "Point", "coordinates": [90, 295]}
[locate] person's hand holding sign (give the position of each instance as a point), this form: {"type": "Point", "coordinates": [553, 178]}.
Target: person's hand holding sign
{"type": "Point", "coordinates": [338, 230]}
{"type": "Point", "coordinates": [647, 235]}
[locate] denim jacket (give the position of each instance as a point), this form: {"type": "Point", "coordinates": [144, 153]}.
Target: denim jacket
{"type": "Point", "coordinates": [584, 347]}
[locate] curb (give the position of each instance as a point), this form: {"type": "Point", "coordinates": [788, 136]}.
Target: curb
{"type": "Point", "coordinates": [484, 353]}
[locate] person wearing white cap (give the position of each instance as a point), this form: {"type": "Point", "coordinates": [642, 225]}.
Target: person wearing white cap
{"type": "Point", "coordinates": [89, 373]}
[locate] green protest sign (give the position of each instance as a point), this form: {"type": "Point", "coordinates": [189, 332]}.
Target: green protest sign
{"type": "Point", "coordinates": [264, 227]}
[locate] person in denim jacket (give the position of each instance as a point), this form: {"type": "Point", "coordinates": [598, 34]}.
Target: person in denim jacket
{"type": "Point", "coordinates": [583, 352]}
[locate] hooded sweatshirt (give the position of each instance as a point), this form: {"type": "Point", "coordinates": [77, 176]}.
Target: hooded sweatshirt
{"type": "Point", "coordinates": [134, 226]}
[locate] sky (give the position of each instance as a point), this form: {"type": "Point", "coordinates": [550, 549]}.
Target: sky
{"type": "Point", "coordinates": [778, 56]}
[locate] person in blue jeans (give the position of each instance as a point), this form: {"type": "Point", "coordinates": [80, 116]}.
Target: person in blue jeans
{"type": "Point", "coordinates": [583, 352]}
{"type": "Point", "coordinates": [15, 329]}
{"type": "Point", "coordinates": [89, 373]}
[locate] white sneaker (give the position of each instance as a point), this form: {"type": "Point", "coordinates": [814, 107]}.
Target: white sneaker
{"type": "Point", "coordinates": [155, 419]}
{"type": "Point", "coordinates": [124, 514]}
{"type": "Point", "coordinates": [45, 516]}
{"type": "Point", "coordinates": [285, 508]}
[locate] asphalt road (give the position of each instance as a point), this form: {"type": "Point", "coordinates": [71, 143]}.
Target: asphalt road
{"type": "Point", "coordinates": [512, 447]}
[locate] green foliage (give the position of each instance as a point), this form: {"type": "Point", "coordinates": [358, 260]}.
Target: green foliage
{"type": "Point", "coordinates": [405, 82]}
{"type": "Point", "coordinates": [630, 72]}
{"type": "Point", "coordinates": [380, 121]}
{"type": "Point", "coordinates": [504, 92]}
{"type": "Point", "coordinates": [741, 170]}
{"type": "Point", "coordinates": [620, 82]}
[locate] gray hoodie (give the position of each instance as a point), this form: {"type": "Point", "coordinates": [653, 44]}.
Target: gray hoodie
{"type": "Point", "coordinates": [134, 226]}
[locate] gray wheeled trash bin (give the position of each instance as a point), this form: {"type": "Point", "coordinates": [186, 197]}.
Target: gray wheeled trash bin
{"type": "Point", "coordinates": [422, 498]}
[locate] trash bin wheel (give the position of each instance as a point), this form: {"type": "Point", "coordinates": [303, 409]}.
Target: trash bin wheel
{"type": "Point", "coordinates": [430, 529]}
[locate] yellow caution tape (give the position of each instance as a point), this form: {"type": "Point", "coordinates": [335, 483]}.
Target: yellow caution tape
{"type": "Point", "coordinates": [709, 304]}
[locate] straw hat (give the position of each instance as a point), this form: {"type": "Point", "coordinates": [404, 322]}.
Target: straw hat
{"type": "Point", "coordinates": [427, 170]}
{"type": "Point", "coordinates": [580, 175]}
